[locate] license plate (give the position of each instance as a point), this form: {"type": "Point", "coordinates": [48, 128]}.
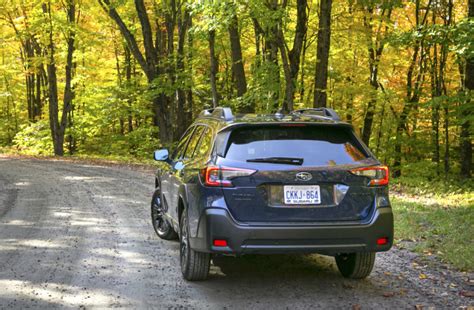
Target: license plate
{"type": "Point", "coordinates": [301, 195]}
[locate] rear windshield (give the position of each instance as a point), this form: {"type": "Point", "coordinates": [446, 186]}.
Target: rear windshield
{"type": "Point", "coordinates": [315, 145]}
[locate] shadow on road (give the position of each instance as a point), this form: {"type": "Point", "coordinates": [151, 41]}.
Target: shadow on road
{"type": "Point", "coordinates": [273, 266]}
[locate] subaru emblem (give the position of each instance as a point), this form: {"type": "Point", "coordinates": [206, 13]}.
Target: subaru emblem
{"type": "Point", "coordinates": [303, 176]}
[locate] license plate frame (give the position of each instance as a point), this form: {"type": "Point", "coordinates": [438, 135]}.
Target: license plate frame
{"type": "Point", "coordinates": [301, 195]}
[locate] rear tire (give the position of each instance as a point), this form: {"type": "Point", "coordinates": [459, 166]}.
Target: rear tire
{"type": "Point", "coordinates": [194, 265]}
{"type": "Point", "coordinates": [162, 227]}
{"type": "Point", "coordinates": [356, 265]}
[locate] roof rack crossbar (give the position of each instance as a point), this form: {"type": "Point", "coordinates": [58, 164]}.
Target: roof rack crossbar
{"type": "Point", "coordinates": [224, 113]}
{"type": "Point", "coordinates": [324, 112]}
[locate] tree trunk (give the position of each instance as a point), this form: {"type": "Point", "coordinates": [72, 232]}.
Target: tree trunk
{"type": "Point", "coordinates": [369, 114]}
{"type": "Point", "coordinates": [303, 71]}
{"type": "Point", "coordinates": [258, 35]}
{"type": "Point", "coordinates": [375, 50]}
{"type": "Point", "coordinates": [268, 35]}
{"type": "Point", "coordinates": [57, 136]}
{"type": "Point", "coordinates": [289, 85]}
{"type": "Point", "coordinates": [435, 108]}
{"type": "Point", "coordinates": [183, 24]}
{"type": "Point", "coordinates": [438, 86]}
{"type": "Point", "coordinates": [444, 57]}
{"type": "Point", "coordinates": [189, 92]}
{"type": "Point", "coordinates": [67, 115]}
{"type": "Point", "coordinates": [38, 106]}
{"type": "Point", "coordinates": [149, 61]}
{"type": "Point", "coordinates": [291, 59]}
{"type": "Point", "coordinates": [128, 78]}
{"type": "Point", "coordinates": [237, 61]}
{"type": "Point", "coordinates": [413, 89]}
{"type": "Point", "coordinates": [446, 142]}
{"type": "Point", "coordinates": [58, 125]}
{"type": "Point", "coordinates": [68, 104]}
{"type": "Point", "coordinates": [324, 42]}
{"type": "Point", "coordinates": [214, 68]}
{"type": "Point", "coordinates": [466, 138]}
{"type": "Point", "coordinates": [381, 129]}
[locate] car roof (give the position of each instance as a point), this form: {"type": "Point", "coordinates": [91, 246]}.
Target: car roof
{"type": "Point", "coordinates": [223, 119]}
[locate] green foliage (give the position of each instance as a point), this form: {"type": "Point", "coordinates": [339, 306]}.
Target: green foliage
{"type": "Point", "coordinates": [423, 178]}
{"type": "Point", "coordinates": [265, 87]}
{"type": "Point", "coordinates": [34, 139]}
{"type": "Point", "coordinates": [462, 35]}
{"type": "Point", "coordinates": [459, 37]}
{"type": "Point", "coordinates": [111, 89]}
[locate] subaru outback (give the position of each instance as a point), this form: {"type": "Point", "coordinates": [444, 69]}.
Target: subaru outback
{"type": "Point", "coordinates": [301, 182]}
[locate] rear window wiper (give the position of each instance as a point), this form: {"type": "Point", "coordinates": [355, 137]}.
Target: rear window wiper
{"type": "Point", "coordinates": [278, 160]}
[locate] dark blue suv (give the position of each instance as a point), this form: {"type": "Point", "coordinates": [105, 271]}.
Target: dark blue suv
{"type": "Point", "coordinates": [296, 183]}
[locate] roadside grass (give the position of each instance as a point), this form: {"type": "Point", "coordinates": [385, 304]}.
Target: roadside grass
{"type": "Point", "coordinates": [436, 218]}
{"type": "Point", "coordinates": [92, 158]}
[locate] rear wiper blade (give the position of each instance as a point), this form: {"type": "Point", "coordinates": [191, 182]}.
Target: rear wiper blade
{"type": "Point", "coordinates": [278, 160]}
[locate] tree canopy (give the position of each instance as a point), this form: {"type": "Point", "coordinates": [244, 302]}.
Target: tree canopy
{"type": "Point", "coordinates": [122, 77]}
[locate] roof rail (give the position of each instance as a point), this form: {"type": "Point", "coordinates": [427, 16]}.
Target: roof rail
{"type": "Point", "coordinates": [319, 112]}
{"type": "Point", "coordinates": [224, 113]}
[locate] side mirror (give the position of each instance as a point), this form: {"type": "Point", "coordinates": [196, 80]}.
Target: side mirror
{"type": "Point", "coordinates": [161, 155]}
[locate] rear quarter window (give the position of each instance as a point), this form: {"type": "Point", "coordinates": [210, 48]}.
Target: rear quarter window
{"type": "Point", "coordinates": [316, 145]}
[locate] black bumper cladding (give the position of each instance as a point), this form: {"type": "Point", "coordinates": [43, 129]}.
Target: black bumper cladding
{"type": "Point", "coordinates": [329, 239]}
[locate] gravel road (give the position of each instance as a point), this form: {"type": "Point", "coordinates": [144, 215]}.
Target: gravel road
{"type": "Point", "coordinates": [74, 235]}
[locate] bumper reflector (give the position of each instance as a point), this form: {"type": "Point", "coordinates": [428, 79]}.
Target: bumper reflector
{"type": "Point", "coordinates": [220, 242]}
{"type": "Point", "coordinates": [382, 241]}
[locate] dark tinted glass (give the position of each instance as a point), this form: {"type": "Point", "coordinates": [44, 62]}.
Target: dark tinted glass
{"type": "Point", "coordinates": [193, 142]}
{"type": "Point", "coordinates": [316, 145]}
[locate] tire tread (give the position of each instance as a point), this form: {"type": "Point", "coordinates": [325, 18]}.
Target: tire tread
{"type": "Point", "coordinates": [358, 266]}
{"type": "Point", "coordinates": [198, 265]}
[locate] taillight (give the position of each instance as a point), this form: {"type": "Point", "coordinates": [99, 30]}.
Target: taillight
{"type": "Point", "coordinates": [220, 242]}
{"type": "Point", "coordinates": [382, 241]}
{"type": "Point", "coordinates": [222, 176]}
{"type": "Point", "coordinates": [378, 174]}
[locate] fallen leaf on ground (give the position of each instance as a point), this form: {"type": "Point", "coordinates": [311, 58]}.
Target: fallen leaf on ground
{"type": "Point", "coordinates": [467, 293]}
{"type": "Point", "coordinates": [356, 307]}
{"type": "Point", "coordinates": [423, 276]}
{"type": "Point", "coordinates": [388, 294]}
{"type": "Point", "coordinates": [347, 285]}
{"type": "Point", "coordinates": [419, 307]}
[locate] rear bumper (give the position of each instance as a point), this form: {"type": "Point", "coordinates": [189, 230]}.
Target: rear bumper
{"type": "Point", "coordinates": [329, 239]}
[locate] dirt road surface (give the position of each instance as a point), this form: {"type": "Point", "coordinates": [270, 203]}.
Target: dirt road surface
{"type": "Point", "coordinates": [74, 235]}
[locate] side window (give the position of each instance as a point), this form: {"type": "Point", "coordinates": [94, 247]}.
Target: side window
{"type": "Point", "coordinates": [193, 142]}
{"type": "Point", "coordinates": [204, 145]}
{"type": "Point", "coordinates": [178, 153]}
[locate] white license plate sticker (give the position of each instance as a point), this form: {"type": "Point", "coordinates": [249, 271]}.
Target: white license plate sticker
{"type": "Point", "coordinates": [302, 194]}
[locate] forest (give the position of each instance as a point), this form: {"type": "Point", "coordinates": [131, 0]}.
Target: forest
{"type": "Point", "coordinates": [120, 78]}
